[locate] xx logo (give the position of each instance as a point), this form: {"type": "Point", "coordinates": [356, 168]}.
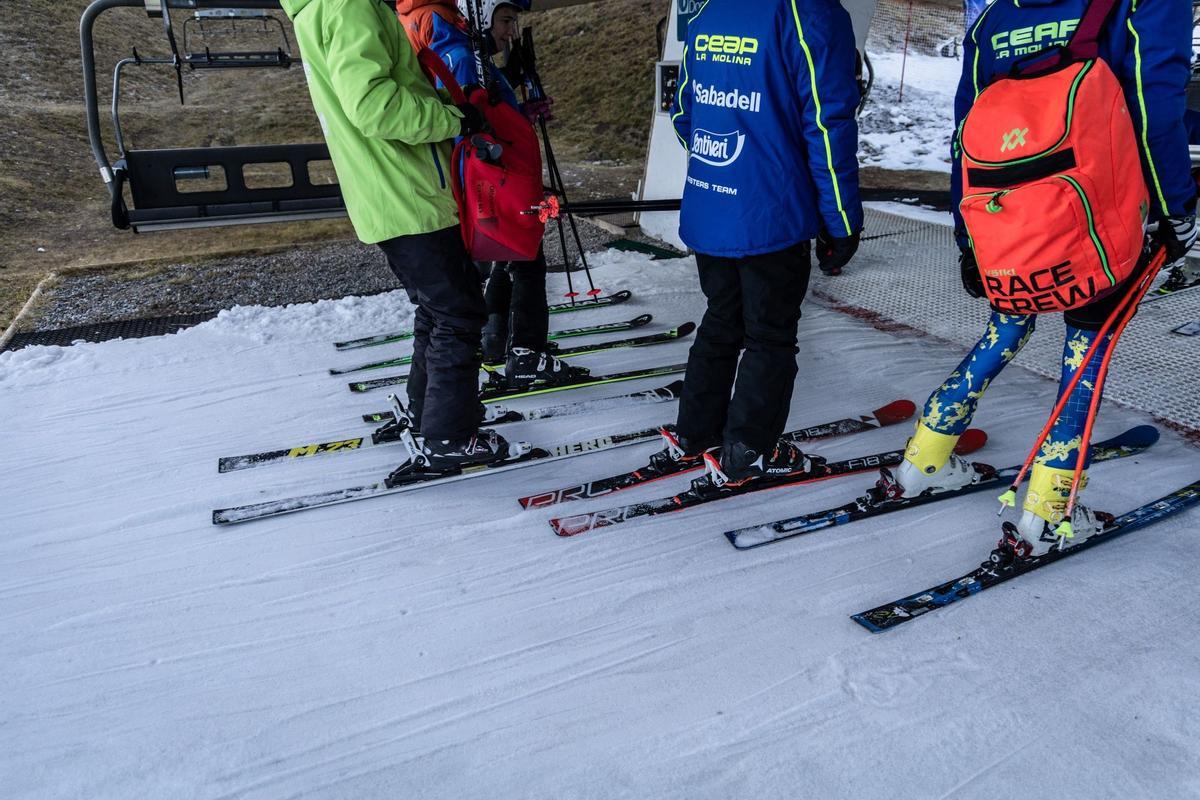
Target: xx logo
{"type": "Point", "coordinates": [1014, 139]}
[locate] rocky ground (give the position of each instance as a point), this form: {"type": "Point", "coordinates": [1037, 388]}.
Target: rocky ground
{"type": "Point", "coordinates": [293, 275]}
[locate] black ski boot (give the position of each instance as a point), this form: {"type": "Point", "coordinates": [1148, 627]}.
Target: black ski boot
{"type": "Point", "coordinates": [485, 447]}
{"type": "Point", "coordinates": [526, 367]}
{"type": "Point", "coordinates": [740, 464]}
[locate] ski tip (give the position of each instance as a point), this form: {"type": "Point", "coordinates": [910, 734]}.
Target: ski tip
{"type": "Point", "coordinates": [620, 296]}
{"type": "Point", "coordinates": [896, 412]}
{"type": "Point", "coordinates": [1140, 436]}
{"type": "Point", "coordinates": [566, 527]}
{"type": "Point", "coordinates": [641, 321]}
{"type": "Point", "coordinates": [218, 517]}
{"type": "Point", "coordinates": [972, 439]}
{"type": "Point", "coordinates": [685, 329]}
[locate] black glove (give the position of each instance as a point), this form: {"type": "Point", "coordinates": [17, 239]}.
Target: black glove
{"type": "Point", "coordinates": [968, 269]}
{"type": "Point", "coordinates": [1177, 234]}
{"type": "Point", "coordinates": [473, 120]}
{"type": "Point", "coordinates": [833, 253]}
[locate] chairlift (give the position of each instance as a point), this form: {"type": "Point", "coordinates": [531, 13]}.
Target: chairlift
{"type": "Point", "coordinates": [163, 182]}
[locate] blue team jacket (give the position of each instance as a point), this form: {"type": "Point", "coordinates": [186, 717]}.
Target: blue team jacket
{"type": "Point", "coordinates": [766, 111]}
{"type": "Point", "coordinates": [1148, 45]}
{"type": "Point", "coordinates": [452, 46]}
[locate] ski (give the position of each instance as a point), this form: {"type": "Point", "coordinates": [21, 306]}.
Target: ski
{"type": "Point", "coordinates": [408, 482]}
{"type": "Point", "coordinates": [1002, 566]}
{"type": "Point", "coordinates": [496, 391]}
{"type": "Point", "coordinates": [704, 491]}
{"type": "Point", "coordinates": [1130, 443]}
{"type": "Point", "coordinates": [890, 414]}
{"type": "Point", "coordinates": [498, 414]}
{"type": "Point", "coordinates": [1183, 278]}
{"type": "Point", "coordinates": [591, 330]}
{"type": "Point", "coordinates": [650, 340]}
{"type": "Point", "coordinates": [495, 415]}
{"type": "Point", "coordinates": [561, 308]}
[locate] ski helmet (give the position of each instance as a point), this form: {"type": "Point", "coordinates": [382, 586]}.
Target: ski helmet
{"type": "Point", "coordinates": [487, 9]}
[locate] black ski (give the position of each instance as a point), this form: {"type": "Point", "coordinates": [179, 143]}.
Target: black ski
{"type": "Point", "coordinates": [1132, 442]}
{"type": "Point", "coordinates": [591, 330]}
{"type": "Point", "coordinates": [1183, 278]}
{"type": "Point", "coordinates": [890, 414]}
{"type": "Point", "coordinates": [650, 340]}
{"type": "Point", "coordinates": [562, 308]}
{"type": "Point", "coordinates": [705, 491]}
{"type": "Point", "coordinates": [403, 480]}
{"type": "Point", "coordinates": [496, 415]}
{"type": "Point", "coordinates": [1003, 565]}
{"type": "Point", "coordinates": [496, 391]}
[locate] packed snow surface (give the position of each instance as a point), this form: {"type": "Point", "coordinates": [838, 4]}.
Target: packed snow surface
{"type": "Point", "coordinates": [444, 644]}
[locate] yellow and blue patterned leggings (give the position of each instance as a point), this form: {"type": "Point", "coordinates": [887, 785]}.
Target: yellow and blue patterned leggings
{"type": "Point", "coordinates": [949, 409]}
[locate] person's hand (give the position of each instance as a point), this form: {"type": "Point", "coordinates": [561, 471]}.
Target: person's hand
{"type": "Point", "coordinates": [968, 269]}
{"type": "Point", "coordinates": [473, 120]}
{"type": "Point", "coordinates": [1177, 234]}
{"type": "Point", "coordinates": [543, 108]}
{"type": "Point", "coordinates": [834, 252]}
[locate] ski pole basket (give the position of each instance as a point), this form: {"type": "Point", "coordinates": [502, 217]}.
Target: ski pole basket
{"type": "Point", "coordinates": [195, 187]}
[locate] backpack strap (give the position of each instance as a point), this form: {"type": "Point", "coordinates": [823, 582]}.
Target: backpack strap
{"type": "Point", "coordinates": [1084, 44]}
{"type": "Point", "coordinates": [434, 67]}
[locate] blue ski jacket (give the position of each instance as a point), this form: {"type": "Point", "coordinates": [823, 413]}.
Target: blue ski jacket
{"type": "Point", "coordinates": [452, 45]}
{"type": "Point", "coordinates": [1148, 46]}
{"type": "Point", "coordinates": [766, 111]}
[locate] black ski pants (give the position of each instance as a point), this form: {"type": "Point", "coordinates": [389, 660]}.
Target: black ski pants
{"type": "Point", "coordinates": [443, 382]}
{"type": "Point", "coordinates": [753, 311]}
{"type": "Point", "coordinates": [515, 294]}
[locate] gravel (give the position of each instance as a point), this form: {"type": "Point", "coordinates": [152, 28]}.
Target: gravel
{"type": "Point", "coordinates": [301, 275]}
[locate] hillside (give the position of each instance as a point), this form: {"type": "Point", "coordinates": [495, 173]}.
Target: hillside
{"type": "Point", "coordinates": [55, 211]}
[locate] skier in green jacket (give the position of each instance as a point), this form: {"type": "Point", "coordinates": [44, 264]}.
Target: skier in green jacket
{"type": "Point", "coordinates": [389, 132]}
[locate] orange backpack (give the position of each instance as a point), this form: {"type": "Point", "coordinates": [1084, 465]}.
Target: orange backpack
{"type": "Point", "coordinates": [1054, 199]}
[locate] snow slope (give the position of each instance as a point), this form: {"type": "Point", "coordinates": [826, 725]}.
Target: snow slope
{"type": "Point", "coordinates": [443, 644]}
{"type": "Point", "coordinates": [911, 131]}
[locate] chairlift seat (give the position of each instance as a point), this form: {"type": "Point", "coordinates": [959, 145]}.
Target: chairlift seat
{"type": "Point", "coordinates": [226, 60]}
{"type": "Point", "coordinates": [155, 178]}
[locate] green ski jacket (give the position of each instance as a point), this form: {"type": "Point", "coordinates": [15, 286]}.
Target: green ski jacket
{"type": "Point", "coordinates": [388, 130]}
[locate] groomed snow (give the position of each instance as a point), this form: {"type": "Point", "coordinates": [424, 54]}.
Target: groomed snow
{"type": "Point", "coordinates": [444, 644]}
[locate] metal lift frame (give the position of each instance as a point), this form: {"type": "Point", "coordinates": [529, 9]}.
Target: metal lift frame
{"type": "Point", "coordinates": [152, 174]}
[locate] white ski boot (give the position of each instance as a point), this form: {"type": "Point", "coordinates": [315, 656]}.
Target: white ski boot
{"type": "Point", "coordinates": [1039, 536]}
{"type": "Point", "coordinates": [1043, 526]}
{"type": "Point", "coordinates": [930, 466]}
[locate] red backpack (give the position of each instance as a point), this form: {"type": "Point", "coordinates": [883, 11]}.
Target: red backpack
{"type": "Point", "coordinates": [497, 178]}
{"type": "Point", "coordinates": [1054, 199]}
